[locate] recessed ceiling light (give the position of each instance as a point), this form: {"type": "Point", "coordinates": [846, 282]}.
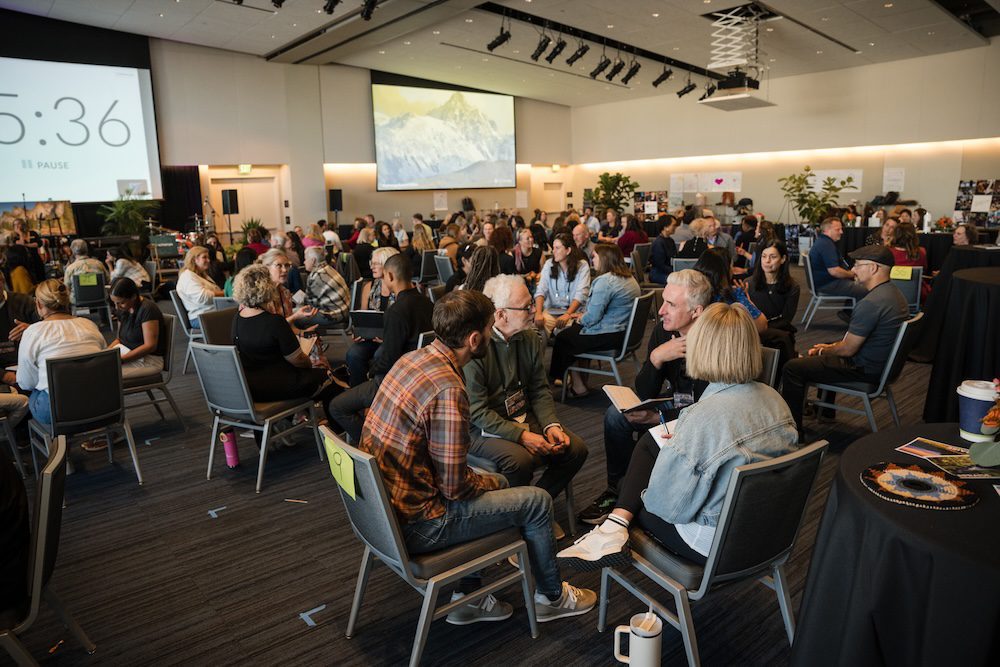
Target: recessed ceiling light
{"type": "Point", "coordinates": [819, 53]}
{"type": "Point", "coordinates": [656, 16]}
{"type": "Point", "coordinates": [888, 5]}
{"type": "Point", "coordinates": [677, 48]}
{"type": "Point", "coordinates": [824, 18]}
{"type": "Point", "coordinates": [161, 16]}
{"type": "Point", "coordinates": [468, 20]}
{"type": "Point", "coordinates": [769, 29]}
{"type": "Point", "coordinates": [381, 52]}
{"type": "Point", "coordinates": [871, 43]}
{"type": "Point", "coordinates": [295, 25]}
{"type": "Point", "coordinates": [319, 11]}
{"type": "Point", "coordinates": [407, 43]}
{"type": "Point", "coordinates": [772, 60]}
{"type": "Point", "coordinates": [517, 51]}
{"type": "Point", "coordinates": [437, 32]}
{"type": "Point", "coordinates": [610, 26]}
{"type": "Point", "coordinates": [930, 32]}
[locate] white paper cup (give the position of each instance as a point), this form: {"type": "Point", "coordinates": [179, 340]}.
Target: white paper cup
{"type": "Point", "coordinates": [975, 398]}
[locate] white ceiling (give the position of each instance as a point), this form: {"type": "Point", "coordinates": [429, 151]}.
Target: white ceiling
{"type": "Point", "coordinates": [446, 41]}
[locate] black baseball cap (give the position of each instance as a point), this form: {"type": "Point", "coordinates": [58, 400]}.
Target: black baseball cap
{"type": "Point", "coordinates": [874, 253]}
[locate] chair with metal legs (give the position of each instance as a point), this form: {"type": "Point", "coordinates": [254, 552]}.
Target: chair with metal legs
{"type": "Point", "coordinates": [160, 381]}
{"type": "Point", "coordinates": [8, 433]}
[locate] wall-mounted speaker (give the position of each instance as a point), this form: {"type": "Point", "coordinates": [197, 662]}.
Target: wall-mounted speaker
{"type": "Point", "coordinates": [336, 200]}
{"type": "Point", "coordinates": [230, 204]}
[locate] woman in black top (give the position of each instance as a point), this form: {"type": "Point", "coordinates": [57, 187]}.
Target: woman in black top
{"type": "Point", "coordinates": [503, 240]}
{"type": "Point", "coordinates": [527, 258]}
{"type": "Point", "coordinates": [140, 330]}
{"type": "Point", "coordinates": [384, 236]}
{"type": "Point", "coordinates": [363, 250]}
{"type": "Point", "coordinates": [694, 248]}
{"type": "Point", "coordinates": [275, 366]}
{"type": "Point", "coordinates": [773, 290]}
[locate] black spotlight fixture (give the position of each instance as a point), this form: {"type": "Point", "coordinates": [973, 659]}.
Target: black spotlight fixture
{"type": "Point", "coordinates": [632, 71]}
{"type": "Point", "coordinates": [616, 70]}
{"type": "Point", "coordinates": [686, 89]}
{"type": "Point", "coordinates": [581, 51]}
{"type": "Point", "coordinates": [277, 3]}
{"type": "Point", "coordinates": [556, 50]}
{"type": "Point", "coordinates": [664, 75]}
{"type": "Point", "coordinates": [709, 91]}
{"type": "Point", "coordinates": [543, 44]}
{"type": "Point", "coordinates": [237, 2]}
{"type": "Point", "coordinates": [367, 9]}
{"type": "Point", "coordinates": [601, 66]}
{"type": "Point", "coordinates": [499, 40]}
{"type": "Point", "coordinates": [330, 6]}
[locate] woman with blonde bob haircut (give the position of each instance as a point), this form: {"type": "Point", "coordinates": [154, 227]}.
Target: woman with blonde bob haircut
{"type": "Point", "coordinates": [676, 482]}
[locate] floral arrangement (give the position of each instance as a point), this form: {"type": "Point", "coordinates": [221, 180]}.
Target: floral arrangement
{"type": "Point", "coordinates": [944, 224]}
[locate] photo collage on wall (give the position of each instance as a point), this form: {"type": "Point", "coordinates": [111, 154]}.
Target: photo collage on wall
{"type": "Point", "coordinates": [978, 203]}
{"type": "Point", "coordinates": [651, 202]}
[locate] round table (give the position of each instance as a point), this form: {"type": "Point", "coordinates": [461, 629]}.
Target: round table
{"type": "Point", "coordinates": [893, 584]}
{"type": "Point", "coordinates": [937, 244]}
{"type": "Point", "coordinates": [969, 347]}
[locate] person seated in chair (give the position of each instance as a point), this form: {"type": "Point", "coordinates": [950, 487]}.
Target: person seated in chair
{"type": "Point", "coordinates": [863, 352]}
{"type": "Point", "coordinates": [82, 263]}
{"type": "Point", "coordinates": [830, 275]}
{"type": "Point", "coordinates": [563, 286]}
{"type": "Point", "coordinates": [122, 265]}
{"type": "Point", "coordinates": [514, 422]}
{"type": "Point", "coordinates": [418, 432]}
{"type": "Point", "coordinates": [675, 488]}
{"type": "Point", "coordinates": [195, 287]}
{"type": "Point", "coordinates": [141, 331]}
{"type": "Point", "coordinates": [772, 288]}
{"type": "Point", "coordinates": [326, 291]}
{"type": "Point", "coordinates": [17, 311]}
{"type": "Point", "coordinates": [664, 249]}
{"type": "Point", "coordinates": [714, 264]}
{"type": "Point", "coordinates": [375, 295]}
{"type": "Point", "coordinates": [664, 374]}
{"type": "Point", "coordinates": [405, 320]}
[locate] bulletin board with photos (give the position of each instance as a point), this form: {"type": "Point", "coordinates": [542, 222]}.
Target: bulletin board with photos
{"type": "Point", "coordinates": [978, 202]}
{"type": "Point", "coordinates": [651, 202]}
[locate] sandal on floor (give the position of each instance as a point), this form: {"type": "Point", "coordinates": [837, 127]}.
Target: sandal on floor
{"type": "Point", "coordinates": [96, 445]}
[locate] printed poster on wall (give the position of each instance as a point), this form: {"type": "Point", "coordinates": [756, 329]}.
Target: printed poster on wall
{"type": "Point", "coordinates": [440, 201]}
{"type": "Point", "coordinates": [690, 182]}
{"type": "Point", "coordinates": [521, 198]}
{"type": "Point", "coordinates": [676, 182]}
{"type": "Point", "coordinates": [893, 179]}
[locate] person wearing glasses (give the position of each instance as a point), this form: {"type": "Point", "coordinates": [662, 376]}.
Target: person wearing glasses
{"type": "Point", "coordinates": [279, 266]}
{"type": "Point", "coordinates": [862, 354]}
{"type": "Point", "coordinates": [514, 422]}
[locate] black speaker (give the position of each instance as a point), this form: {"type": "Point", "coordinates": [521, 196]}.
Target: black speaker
{"type": "Point", "coordinates": [229, 202]}
{"type": "Point", "coordinates": [336, 200]}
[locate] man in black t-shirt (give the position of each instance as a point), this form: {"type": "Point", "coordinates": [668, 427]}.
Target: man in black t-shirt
{"type": "Point", "coordinates": [405, 320]}
{"type": "Point", "coordinates": [862, 354]}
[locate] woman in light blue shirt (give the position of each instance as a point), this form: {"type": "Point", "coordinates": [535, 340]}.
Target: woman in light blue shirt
{"type": "Point", "coordinates": [602, 326]}
{"type": "Point", "coordinates": [563, 286]}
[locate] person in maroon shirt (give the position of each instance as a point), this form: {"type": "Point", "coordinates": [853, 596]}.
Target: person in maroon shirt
{"type": "Point", "coordinates": [633, 234]}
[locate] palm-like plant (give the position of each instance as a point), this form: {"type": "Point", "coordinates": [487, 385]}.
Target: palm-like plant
{"type": "Point", "coordinates": [126, 216]}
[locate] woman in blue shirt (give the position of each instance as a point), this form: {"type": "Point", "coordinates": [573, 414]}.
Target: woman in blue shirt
{"type": "Point", "coordinates": [714, 264]}
{"type": "Point", "coordinates": [602, 326]}
{"type": "Point", "coordinates": [563, 286]}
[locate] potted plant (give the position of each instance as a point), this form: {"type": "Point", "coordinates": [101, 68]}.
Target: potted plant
{"type": "Point", "coordinates": [614, 191]}
{"type": "Point", "coordinates": [251, 223]}
{"type": "Point", "coordinates": [811, 204]}
{"type": "Point", "coordinates": [126, 216]}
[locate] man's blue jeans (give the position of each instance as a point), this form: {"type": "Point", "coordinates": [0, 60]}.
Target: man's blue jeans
{"type": "Point", "coordinates": [40, 408]}
{"type": "Point", "coordinates": [527, 508]}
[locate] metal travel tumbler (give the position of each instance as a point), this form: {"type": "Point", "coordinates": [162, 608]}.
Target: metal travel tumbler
{"type": "Point", "coordinates": [228, 438]}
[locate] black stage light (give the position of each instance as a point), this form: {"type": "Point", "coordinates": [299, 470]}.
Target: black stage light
{"type": "Point", "coordinates": [367, 9]}
{"type": "Point", "coordinates": [237, 2]}
{"type": "Point", "coordinates": [632, 71]}
{"type": "Point", "coordinates": [556, 50]}
{"type": "Point", "coordinates": [330, 6]}
{"type": "Point", "coordinates": [277, 3]}
{"type": "Point", "coordinates": [543, 44]}
{"type": "Point", "coordinates": [579, 53]}
{"type": "Point", "coordinates": [709, 91]}
{"type": "Point", "coordinates": [499, 39]}
{"type": "Point", "coordinates": [601, 66]}
{"type": "Point", "coordinates": [616, 70]}
{"type": "Point", "coordinates": [666, 74]}
{"type": "Point", "coordinates": [686, 89]}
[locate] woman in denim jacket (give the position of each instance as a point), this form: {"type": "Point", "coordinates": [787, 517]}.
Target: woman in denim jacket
{"type": "Point", "coordinates": [563, 286]}
{"type": "Point", "coordinates": [675, 493]}
{"type": "Point", "coordinates": [602, 326]}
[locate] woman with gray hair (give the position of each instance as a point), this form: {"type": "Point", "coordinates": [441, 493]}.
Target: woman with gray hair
{"type": "Point", "coordinates": [275, 366]}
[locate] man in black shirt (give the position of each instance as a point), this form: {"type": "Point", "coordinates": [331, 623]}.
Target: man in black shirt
{"type": "Point", "coordinates": [685, 297]}
{"type": "Point", "coordinates": [862, 354]}
{"type": "Point", "coordinates": [405, 320]}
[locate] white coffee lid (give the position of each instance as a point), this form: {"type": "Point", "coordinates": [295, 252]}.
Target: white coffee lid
{"type": "Point", "coordinates": [981, 390]}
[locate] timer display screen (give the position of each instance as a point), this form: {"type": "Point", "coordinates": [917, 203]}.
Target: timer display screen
{"type": "Point", "coordinates": [76, 132]}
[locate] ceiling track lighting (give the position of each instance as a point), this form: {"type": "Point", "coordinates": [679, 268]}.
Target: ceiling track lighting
{"type": "Point", "coordinates": [632, 71]}
{"type": "Point", "coordinates": [330, 6]}
{"type": "Point", "coordinates": [664, 75]}
{"type": "Point", "coordinates": [686, 89]}
{"type": "Point", "coordinates": [277, 3]}
{"type": "Point", "coordinates": [601, 66]}
{"type": "Point", "coordinates": [580, 52]}
{"type": "Point", "coordinates": [368, 8]}
{"type": "Point", "coordinates": [499, 40]}
{"type": "Point", "coordinates": [543, 44]}
{"type": "Point", "coordinates": [237, 2]}
{"type": "Point", "coordinates": [709, 91]}
{"type": "Point", "coordinates": [556, 50]}
{"type": "Point", "coordinates": [616, 70]}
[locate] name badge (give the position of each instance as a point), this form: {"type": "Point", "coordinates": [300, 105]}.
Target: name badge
{"type": "Point", "coordinates": [516, 404]}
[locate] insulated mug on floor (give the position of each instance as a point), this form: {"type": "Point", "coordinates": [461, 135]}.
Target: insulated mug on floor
{"type": "Point", "coordinates": [975, 398]}
{"type": "Point", "coordinates": [228, 438]}
{"type": "Point", "coordinates": [644, 634]}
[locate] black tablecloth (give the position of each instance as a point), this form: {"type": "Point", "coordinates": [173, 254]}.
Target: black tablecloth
{"type": "Point", "coordinates": [935, 308]}
{"type": "Point", "coordinates": [937, 245]}
{"type": "Point", "coordinates": [969, 346]}
{"type": "Point", "coordinates": [896, 585]}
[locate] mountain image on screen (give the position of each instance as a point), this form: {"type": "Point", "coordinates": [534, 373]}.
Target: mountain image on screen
{"type": "Point", "coordinates": [453, 145]}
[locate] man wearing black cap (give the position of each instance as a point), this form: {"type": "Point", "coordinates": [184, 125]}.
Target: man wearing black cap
{"type": "Point", "coordinates": [862, 354]}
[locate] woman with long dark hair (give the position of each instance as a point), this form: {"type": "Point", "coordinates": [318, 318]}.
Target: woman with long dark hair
{"type": "Point", "coordinates": [632, 235]}
{"type": "Point", "coordinates": [563, 286]}
{"type": "Point", "coordinates": [664, 250]}
{"type": "Point", "coordinates": [773, 290]}
{"type": "Point", "coordinates": [483, 265]}
{"type": "Point", "coordinates": [384, 236]}
{"type": "Point", "coordinates": [503, 240]}
{"type": "Point", "coordinates": [140, 330]}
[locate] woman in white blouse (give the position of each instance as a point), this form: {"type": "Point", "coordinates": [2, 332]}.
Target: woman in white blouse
{"type": "Point", "coordinates": [121, 265]}
{"type": "Point", "coordinates": [58, 334]}
{"type": "Point", "coordinates": [194, 287]}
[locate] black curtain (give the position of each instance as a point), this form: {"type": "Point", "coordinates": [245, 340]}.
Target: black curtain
{"type": "Point", "coordinates": [181, 197]}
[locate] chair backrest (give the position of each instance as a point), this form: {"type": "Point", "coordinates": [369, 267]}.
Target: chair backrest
{"type": "Point", "coordinates": [370, 512]}
{"type": "Point", "coordinates": [101, 374]}
{"type": "Point", "coordinates": [638, 272]}
{"type": "Point", "coordinates": [911, 288]}
{"type": "Point", "coordinates": [436, 292]}
{"type": "Point", "coordinates": [92, 294]}
{"type": "Point", "coordinates": [348, 267]}
{"type": "Point", "coordinates": [164, 246]}
{"type": "Point", "coordinates": [151, 269]}
{"type": "Point", "coordinates": [182, 311]}
{"type": "Point", "coordinates": [356, 294]}
{"type": "Point", "coordinates": [906, 338]}
{"type": "Point", "coordinates": [428, 267]}
{"type": "Point", "coordinates": [681, 263]}
{"type": "Point", "coordinates": [769, 371]}
{"type": "Point", "coordinates": [636, 324]}
{"type": "Point", "coordinates": [169, 322]}
{"type": "Point", "coordinates": [224, 302]}
{"type": "Point", "coordinates": [222, 381]}
{"type": "Point", "coordinates": [644, 250]}
{"type": "Point", "coordinates": [426, 338]}
{"type": "Point", "coordinates": [809, 273]}
{"type": "Point", "coordinates": [761, 515]}
{"type": "Point", "coordinates": [217, 326]}
{"type": "Point", "coordinates": [445, 270]}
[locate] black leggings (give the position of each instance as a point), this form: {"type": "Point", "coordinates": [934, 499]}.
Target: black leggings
{"type": "Point", "coordinates": [630, 498]}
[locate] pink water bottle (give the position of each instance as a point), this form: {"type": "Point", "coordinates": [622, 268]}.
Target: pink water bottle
{"type": "Point", "coordinates": [228, 437]}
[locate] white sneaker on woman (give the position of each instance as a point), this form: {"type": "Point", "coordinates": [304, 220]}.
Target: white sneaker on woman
{"type": "Point", "coordinates": [605, 545]}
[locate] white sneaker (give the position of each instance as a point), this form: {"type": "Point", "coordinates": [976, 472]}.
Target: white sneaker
{"type": "Point", "coordinates": [573, 602]}
{"type": "Point", "coordinates": [605, 545]}
{"type": "Point", "coordinates": [486, 609]}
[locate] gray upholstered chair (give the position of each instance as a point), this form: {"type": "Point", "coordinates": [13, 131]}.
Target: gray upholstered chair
{"type": "Point", "coordinates": [445, 269]}
{"type": "Point", "coordinates": [426, 338]}
{"type": "Point", "coordinates": [89, 293]}
{"type": "Point", "coordinates": [817, 300]}
{"type": "Point", "coordinates": [160, 381]}
{"type": "Point", "coordinates": [769, 371]}
{"type": "Point", "coordinates": [911, 286]}
{"type": "Point", "coordinates": [374, 522]}
{"type": "Point", "coordinates": [192, 333]}
{"type": "Point", "coordinates": [760, 519]}
{"type": "Point", "coordinates": [224, 303]}
{"type": "Point", "coordinates": [217, 326]}
{"type": "Point", "coordinates": [8, 433]}
{"type": "Point", "coordinates": [681, 263]}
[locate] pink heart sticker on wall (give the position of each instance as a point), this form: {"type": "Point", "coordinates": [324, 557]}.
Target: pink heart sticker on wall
{"type": "Point", "coordinates": [718, 181]}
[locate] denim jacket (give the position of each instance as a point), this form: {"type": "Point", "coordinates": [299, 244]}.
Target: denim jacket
{"type": "Point", "coordinates": [610, 304]}
{"type": "Point", "coordinates": [731, 425]}
{"type": "Point", "coordinates": [559, 292]}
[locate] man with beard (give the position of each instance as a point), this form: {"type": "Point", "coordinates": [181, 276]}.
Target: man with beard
{"type": "Point", "coordinates": [418, 431]}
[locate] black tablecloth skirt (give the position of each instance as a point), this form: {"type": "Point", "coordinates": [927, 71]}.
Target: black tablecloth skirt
{"type": "Point", "coordinates": [936, 245]}
{"type": "Point", "coordinates": [896, 585]}
{"type": "Point", "coordinates": [969, 346]}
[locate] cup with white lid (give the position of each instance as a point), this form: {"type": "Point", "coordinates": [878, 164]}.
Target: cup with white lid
{"type": "Point", "coordinates": [975, 398]}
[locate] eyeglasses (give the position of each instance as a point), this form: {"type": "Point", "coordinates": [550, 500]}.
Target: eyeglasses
{"type": "Point", "coordinates": [282, 266]}
{"type": "Point", "coordinates": [523, 309]}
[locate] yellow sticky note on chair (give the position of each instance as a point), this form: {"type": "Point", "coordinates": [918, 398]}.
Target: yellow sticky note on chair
{"type": "Point", "coordinates": [341, 465]}
{"type": "Point", "coordinates": [88, 279]}
{"type": "Point", "coordinates": [901, 273]}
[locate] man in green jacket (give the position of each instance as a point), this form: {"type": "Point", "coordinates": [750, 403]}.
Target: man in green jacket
{"type": "Point", "coordinates": [513, 416]}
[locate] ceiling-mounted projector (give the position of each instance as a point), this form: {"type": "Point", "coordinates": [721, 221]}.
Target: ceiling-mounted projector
{"type": "Point", "coordinates": [736, 92]}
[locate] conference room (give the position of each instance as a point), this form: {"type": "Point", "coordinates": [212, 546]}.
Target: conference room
{"type": "Point", "coordinates": [452, 332]}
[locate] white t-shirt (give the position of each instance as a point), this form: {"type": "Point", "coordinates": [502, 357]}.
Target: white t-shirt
{"type": "Point", "coordinates": [697, 536]}
{"type": "Point", "coordinates": [196, 293]}
{"type": "Point", "coordinates": [50, 339]}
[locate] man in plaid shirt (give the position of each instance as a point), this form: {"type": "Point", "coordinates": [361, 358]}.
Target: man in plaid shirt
{"type": "Point", "coordinates": [326, 290]}
{"type": "Point", "coordinates": [418, 431]}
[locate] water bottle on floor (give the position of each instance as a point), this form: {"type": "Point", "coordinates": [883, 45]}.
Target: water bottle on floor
{"type": "Point", "coordinates": [228, 438]}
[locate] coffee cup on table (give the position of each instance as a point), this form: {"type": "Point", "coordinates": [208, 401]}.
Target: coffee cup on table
{"type": "Point", "coordinates": [975, 398]}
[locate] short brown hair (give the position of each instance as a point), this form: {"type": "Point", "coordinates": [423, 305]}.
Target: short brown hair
{"type": "Point", "coordinates": [459, 313]}
{"type": "Point", "coordinates": [724, 346]}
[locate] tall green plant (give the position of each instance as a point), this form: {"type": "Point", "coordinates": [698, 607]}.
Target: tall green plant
{"type": "Point", "coordinates": [614, 191]}
{"type": "Point", "coordinates": [811, 204]}
{"type": "Point", "coordinates": [251, 223]}
{"type": "Point", "coordinates": [126, 216]}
